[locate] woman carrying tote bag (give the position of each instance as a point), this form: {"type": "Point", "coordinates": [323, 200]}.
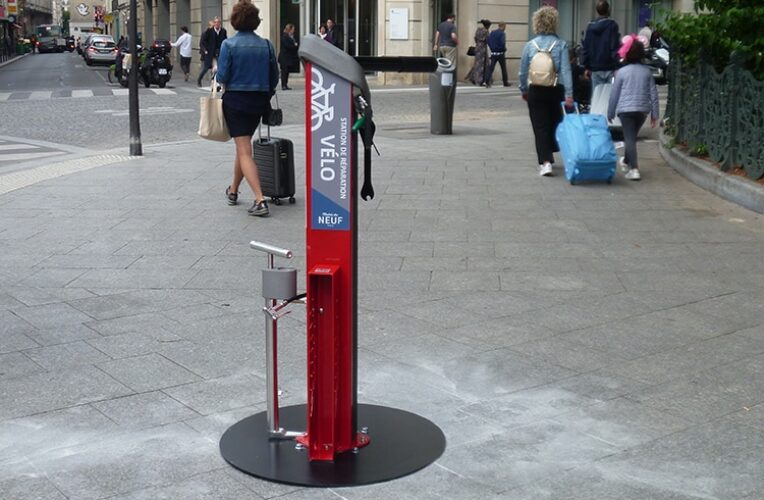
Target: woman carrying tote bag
{"type": "Point", "coordinates": [247, 68]}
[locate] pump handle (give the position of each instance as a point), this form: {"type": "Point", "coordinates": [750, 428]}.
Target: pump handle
{"type": "Point", "coordinates": [273, 250]}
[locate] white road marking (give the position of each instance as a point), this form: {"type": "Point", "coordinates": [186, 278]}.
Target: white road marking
{"type": "Point", "coordinates": [18, 146]}
{"type": "Point", "coordinates": [28, 156]}
{"type": "Point", "coordinates": [163, 91]}
{"type": "Point", "coordinates": [120, 91]}
{"type": "Point", "coordinates": [82, 93]}
{"type": "Point", "coordinates": [41, 94]}
{"type": "Point", "coordinates": [17, 180]}
{"type": "Point", "coordinates": [4, 96]}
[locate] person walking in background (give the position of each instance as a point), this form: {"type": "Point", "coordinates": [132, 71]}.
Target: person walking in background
{"type": "Point", "coordinates": [212, 40]}
{"type": "Point", "coordinates": [600, 47]}
{"type": "Point", "coordinates": [497, 44]}
{"type": "Point", "coordinates": [248, 70]}
{"type": "Point", "coordinates": [332, 34]}
{"type": "Point", "coordinates": [184, 48]}
{"type": "Point", "coordinates": [288, 59]}
{"type": "Point", "coordinates": [479, 71]}
{"type": "Point", "coordinates": [446, 39]}
{"type": "Point", "coordinates": [633, 97]}
{"type": "Point", "coordinates": [539, 83]}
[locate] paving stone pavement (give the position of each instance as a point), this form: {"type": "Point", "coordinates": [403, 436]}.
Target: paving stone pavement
{"type": "Point", "coordinates": [578, 342]}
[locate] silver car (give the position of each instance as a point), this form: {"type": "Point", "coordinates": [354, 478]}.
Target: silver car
{"type": "Point", "coordinates": [101, 51]}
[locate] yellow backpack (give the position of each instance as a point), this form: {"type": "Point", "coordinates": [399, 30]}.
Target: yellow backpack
{"type": "Point", "coordinates": [541, 71]}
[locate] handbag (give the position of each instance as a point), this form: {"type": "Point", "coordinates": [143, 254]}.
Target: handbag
{"type": "Point", "coordinates": [274, 117]}
{"type": "Point", "coordinates": [212, 124]}
{"type": "Point", "coordinates": [471, 50]}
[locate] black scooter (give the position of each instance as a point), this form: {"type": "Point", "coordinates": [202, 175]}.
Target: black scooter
{"type": "Point", "coordinates": [657, 58]}
{"type": "Point", "coordinates": [156, 68]}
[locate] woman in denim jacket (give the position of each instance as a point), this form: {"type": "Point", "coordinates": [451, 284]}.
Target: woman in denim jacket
{"type": "Point", "coordinates": [544, 102]}
{"type": "Point", "coordinates": [248, 70]}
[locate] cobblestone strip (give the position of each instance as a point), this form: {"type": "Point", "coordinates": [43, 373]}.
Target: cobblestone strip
{"type": "Point", "coordinates": [24, 178]}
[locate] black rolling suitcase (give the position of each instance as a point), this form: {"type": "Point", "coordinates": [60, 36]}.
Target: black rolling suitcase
{"type": "Point", "coordinates": [274, 157]}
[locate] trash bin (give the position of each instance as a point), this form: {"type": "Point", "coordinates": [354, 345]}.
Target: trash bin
{"type": "Point", "coordinates": [442, 94]}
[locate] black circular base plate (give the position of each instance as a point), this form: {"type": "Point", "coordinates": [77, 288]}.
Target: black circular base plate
{"type": "Point", "coordinates": [401, 443]}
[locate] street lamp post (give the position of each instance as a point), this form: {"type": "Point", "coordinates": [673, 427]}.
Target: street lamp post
{"type": "Point", "coordinates": [135, 125]}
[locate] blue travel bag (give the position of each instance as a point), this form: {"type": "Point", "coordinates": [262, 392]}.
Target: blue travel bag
{"type": "Point", "coordinates": [587, 147]}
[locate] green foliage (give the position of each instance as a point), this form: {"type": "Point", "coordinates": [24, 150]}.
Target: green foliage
{"type": "Point", "coordinates": [716, 30]}
{"type": "Point", "coordinates": [699, 149]}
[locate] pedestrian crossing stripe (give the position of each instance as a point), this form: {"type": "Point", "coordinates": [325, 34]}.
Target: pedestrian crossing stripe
{"type": "Point", "coordinates": [18, 152]}
{"type": "Point", "coordinates": [39, 95]}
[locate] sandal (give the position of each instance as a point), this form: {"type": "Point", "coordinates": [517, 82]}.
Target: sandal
{"type": "Point", "coordinates": [232, 197]}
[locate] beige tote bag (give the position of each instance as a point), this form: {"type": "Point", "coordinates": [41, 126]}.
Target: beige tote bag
{"type": "Point", "coordinates": [212, 125]}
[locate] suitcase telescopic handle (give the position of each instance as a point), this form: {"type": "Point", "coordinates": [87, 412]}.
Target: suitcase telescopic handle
{"type": "Point", "coordinates": [565, 110]}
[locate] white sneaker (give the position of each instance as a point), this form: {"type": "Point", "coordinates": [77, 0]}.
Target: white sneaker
{"type": "Point", "coordinates": [545, 170]}
{"type": "Point", "coordinates": [633, 174]}
{"type": "Point", "coordinates": [622, 163]}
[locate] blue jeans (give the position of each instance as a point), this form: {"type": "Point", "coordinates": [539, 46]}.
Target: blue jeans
{"type": "Point", "coordinates": [599, 77]}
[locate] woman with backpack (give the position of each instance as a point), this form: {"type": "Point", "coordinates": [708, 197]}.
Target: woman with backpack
{"type": "Point", "coordinates": [633, 97]}
{"type": "Point", "coordinates": [545, 81]}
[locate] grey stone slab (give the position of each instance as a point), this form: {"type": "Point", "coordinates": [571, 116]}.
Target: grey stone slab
{"type": "Point", "coordinates": [714, 460]}
{"type": "Point", "coordinates": [404, 280]}
{"type": "Point", "coordinates": [221, 394]}
{"type": "Point", "coordinates": [527, 453]}
{"type": "Point", "coordinates": [378, 300]}
{"type": "Point", "coordinates": [133, 343]}
{"type": "Point", "coordinates": [459, 249]}
{"type": "Point", "coordinates": [218, 360]}
{"type": "Point", "coordinates": [134, 278]}
{"type": "Point", "coordinates": [50, 278]}
{"type": "Point", "coordinates": [432, 482]}
{"type": "Point", "coordinates": [56, 390]}
{"type": "Point", "coordinates": [465, 281]}
{"type": "Point", "coordinates": [570, 282]}
{"type": "Point", "coordinates": [194, 313]}
{"type": "Point", "coordinates": [29, 486]}
{"type": "Point", "coordinates": [158, 263]}
{"type": "Point", "coordinates": [144, 410]}
{"type": "Point", "coordinates": [690, 359]}
{"type": "Point", "coordinates": [16, 364]}
{"type": "Point", "coordinates": [496, 332]}
{"type": "Point", "coordinates": [13, 333]}
{"type": "Point", "coordinates": [148, 372]}
{"type": "Point", "coordinates": [33, 296]}
{"type": "Point", "coordinates": [650, 333]}
{"type": "Point", "coordinates": [62, 334]}
{"type": "Point", "coordinates": [395, 249]}
{"type": "Point", "coordinates": [130, 303]}
{"type": "Point", "coordinates": [387, 327]}
{"type": "Point", "coordinates": [529, 405]}
{"type": "Point", "coordinates": [87, 261]}
{"type": "Point", "coordinates": [601, 384]}
{"type": "Point", "coordinates": [124, 463]}
{"type": "Point", "coordinates": [214, 485]}
{"type": "Point", "coordinates": [569, 355]}
{"type": "Point", "coordinates": [740, 381]}
{"type": "Point", "coordinates": [622, 422]}
{"type": "Point", "coordinates": [423, 350]}
{"type": "Point", "coordinates": [688, 399]}
{"type": "Point", "coordinates": [28, 438]}
{"type": "Point", "coordinates": [151, 324]}
{"type": "Point", "coordinates": [66, 355]}
{"type": "Point", "coordinates": [265, 489]}
{"type": "Point", "coordinates": [52, 315]}
{"type": "Point", "coordinates": [753, 416]}
{"type": "Point", "coordinates": [595, 481]}
{"type": "Point", "coordinates": [455, 264]}
{"type": "Point", "coordinates": [442, 313]}
{"type": "Point", "coordinates": [171, 247]}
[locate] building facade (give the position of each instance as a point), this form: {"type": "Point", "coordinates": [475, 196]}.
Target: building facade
{"type": "Point", "coordinates": [387, 27]}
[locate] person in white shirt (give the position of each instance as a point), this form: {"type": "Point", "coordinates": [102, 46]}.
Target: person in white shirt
{"type": "Point", "coordinates": [184, 47]}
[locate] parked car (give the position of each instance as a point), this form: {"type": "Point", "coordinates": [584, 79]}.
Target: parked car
{"type": "Point", "coordinates": [90, 39]}
{"type": "Point", "coordinates": [47, 44]}
{"type": "Point", "coordinates": [101, 51]}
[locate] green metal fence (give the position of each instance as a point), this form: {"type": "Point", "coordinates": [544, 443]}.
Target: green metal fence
{"type": "Point", "coordinates": [721, 113]}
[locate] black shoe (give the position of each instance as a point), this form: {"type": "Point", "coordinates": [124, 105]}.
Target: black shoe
{"type": "Point", "coordinates": [259, 209]}
{"type": "Point", "coordinates": [286, 88]}
{"type": "Point", "coordinates": [507, 84]}
{"type": "Point", "coordinates": [233, 198]}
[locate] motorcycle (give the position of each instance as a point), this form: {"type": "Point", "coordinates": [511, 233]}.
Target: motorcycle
{"type": "Point", "coordinates": [157, 67]}
{"type": "Point", "coordinates": [658, 59]}
{"type": "Point", "coordinates": [124, 63]}
{"type": "Point", "coordinates": [70, 44]}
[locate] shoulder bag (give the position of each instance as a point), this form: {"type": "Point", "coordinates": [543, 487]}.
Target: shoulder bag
{"type": "Point", "coordinates": [212, 125]}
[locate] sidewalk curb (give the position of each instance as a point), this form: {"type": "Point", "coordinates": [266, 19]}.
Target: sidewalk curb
{"type": "Point", "coordinates": [6, 63]}
{"type": "Point", "coordinates": [730, 187]}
